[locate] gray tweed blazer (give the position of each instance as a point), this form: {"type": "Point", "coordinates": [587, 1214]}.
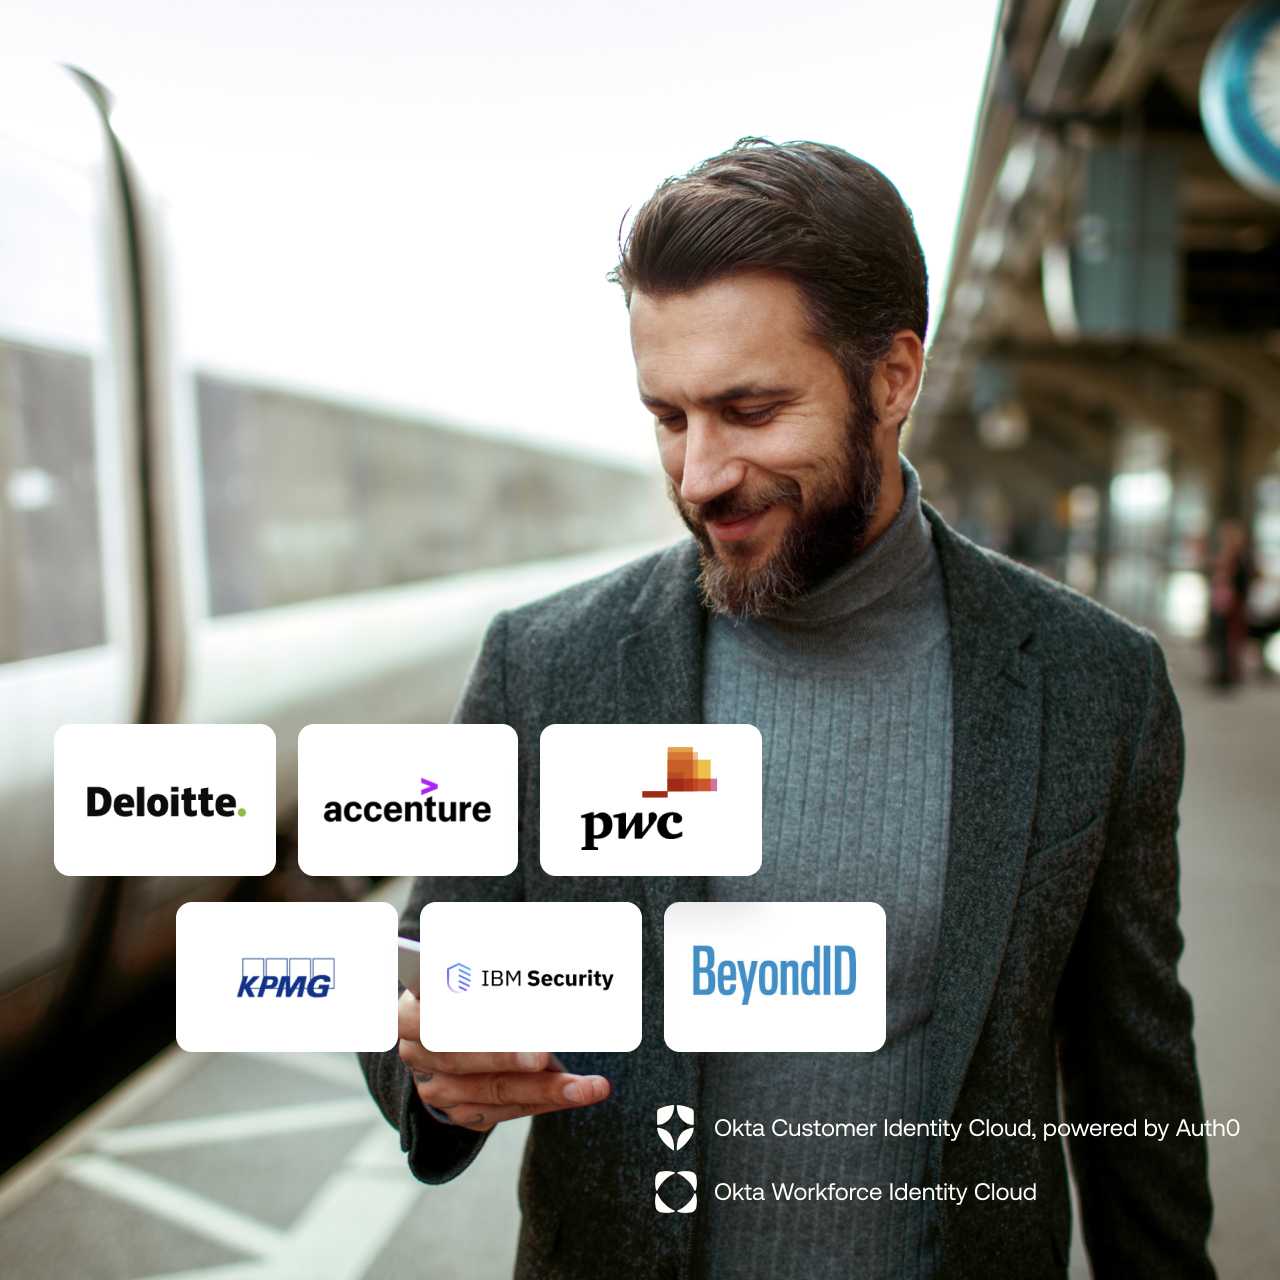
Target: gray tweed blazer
{"type": "Point", "coordinates": [1059, 944]}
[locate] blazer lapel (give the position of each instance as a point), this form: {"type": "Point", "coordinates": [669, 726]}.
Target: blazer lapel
{"type": "Point", "coordinates": [996, 709]}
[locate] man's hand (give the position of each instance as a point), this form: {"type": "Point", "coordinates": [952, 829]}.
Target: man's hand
{"type": "Point", "coordinates": [478, 1090]}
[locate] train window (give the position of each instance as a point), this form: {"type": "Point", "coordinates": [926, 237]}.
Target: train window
{"type": "Point", "coordinates": [51, 567]}
{"type": "Point", "coordinates": [55, 376]}
{"type": "Point", "coordinates": [306, 498]}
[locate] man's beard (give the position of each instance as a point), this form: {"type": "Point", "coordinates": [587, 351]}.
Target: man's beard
{"type": "Point", "coordinates": [817, 541]}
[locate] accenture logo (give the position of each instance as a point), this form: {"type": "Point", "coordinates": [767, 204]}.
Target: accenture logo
{"type": "Point", "coordinates": [432, 809]}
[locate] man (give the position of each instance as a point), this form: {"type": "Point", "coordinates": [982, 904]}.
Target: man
{"type": "Point", "coordinates": [994, 759]}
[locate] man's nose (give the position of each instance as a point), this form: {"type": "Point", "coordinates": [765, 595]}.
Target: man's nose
{"type": "Point", "coordinates": [710, 467]}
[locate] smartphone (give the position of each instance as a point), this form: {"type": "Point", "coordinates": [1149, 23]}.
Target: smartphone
{"type": "Point", "coordinates": [409, 958]}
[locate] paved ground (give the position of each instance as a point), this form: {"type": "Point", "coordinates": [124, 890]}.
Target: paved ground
{"type": "Point", "coordinates": [275, 1167]}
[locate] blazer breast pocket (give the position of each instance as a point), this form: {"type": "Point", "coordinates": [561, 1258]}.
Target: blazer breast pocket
{"type": "Point", "coordinates": [1044, 865]}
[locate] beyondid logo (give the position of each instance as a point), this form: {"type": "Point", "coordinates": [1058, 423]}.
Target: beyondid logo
{"type": "Point", "coordinates": [774, 977]}
{"type": "Point", "coordinates": [708, 825]}
{"type": "Point", "coordinates": [832, 970]}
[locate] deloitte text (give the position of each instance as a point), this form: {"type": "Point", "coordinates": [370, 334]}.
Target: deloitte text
{"type": "Point", "coordinates": [180, 802]}
{"type": "Point", "coordinates": [833, 971]}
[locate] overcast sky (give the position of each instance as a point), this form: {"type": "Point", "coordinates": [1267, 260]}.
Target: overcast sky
{"type": "Point", "coordinates": [416, 204]}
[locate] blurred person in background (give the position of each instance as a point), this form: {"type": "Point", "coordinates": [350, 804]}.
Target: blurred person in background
{"type": "Point", "coordinates": [1231, 575]}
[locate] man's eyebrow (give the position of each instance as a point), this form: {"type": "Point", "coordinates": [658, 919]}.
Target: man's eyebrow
{"type": "Point", "coordinates": [745, 391]}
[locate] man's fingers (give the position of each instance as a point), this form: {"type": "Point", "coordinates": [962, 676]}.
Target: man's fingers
{"type": "Point", "coordinates": [408, 1014]}
{"type": "Point", "coordinates": [546, 1091]}
{"type": "Point", "coordinates": [469, 1064]}
{"type": "Point", "coordinates": [482, 1116]}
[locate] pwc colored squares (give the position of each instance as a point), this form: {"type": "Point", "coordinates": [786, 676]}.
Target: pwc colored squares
{"type": "Point", "coordinates": [285, 976]}
{"type": "Point", "coordinates": [774, 977]}
{"type": "Point", "coordinates": [650, 800]}
{"type": "Point", "coordinates": [515, 977]}
{"type": "Point", "coordinates": [164, 799]}
{"type": "Point", "coordinates": [407, 799]}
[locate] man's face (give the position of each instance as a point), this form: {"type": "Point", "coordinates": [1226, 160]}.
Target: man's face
{"type": "Point", "coordinates": [765, 460]}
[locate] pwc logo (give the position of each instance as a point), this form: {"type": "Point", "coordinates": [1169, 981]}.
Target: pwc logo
{"type": "Point", "coordinates": [698, 789]}
{"type": "Point", "coordinates": [685, 772]}
{"type": "Point", "coordinates": [299, 977]}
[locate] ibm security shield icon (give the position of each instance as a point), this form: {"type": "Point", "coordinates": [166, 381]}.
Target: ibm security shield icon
{"type": "Point", "coordinates": [407, 799]}
{"type": "Point", "coordinates": [164, 799]}
{"type": "Point", "coordinates": [650, 800]}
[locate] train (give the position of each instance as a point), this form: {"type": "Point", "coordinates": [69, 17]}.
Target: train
{"type": "Point", "coordinates": [181, 545]}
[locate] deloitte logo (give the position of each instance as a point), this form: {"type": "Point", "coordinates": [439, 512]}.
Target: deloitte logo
{"type": "Point", "coordinates": [178, 802]}
{"type": "Point", "coordinates": [432, 809]}
{"type": "Point", "coordinates": [281, 976]}
{"type": "Point", "coordinates": [832, 971]}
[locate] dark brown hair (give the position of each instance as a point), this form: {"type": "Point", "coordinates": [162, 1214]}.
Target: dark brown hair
{"type": "Point", "coordinates": [831, 222]}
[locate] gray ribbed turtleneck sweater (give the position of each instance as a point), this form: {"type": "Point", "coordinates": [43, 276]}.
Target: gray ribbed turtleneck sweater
{"type": "Point", "coordinates": [851, 691]}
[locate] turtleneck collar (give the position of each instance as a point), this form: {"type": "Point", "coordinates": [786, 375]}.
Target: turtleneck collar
{"type": "Point", "coordinates": [887, 598]}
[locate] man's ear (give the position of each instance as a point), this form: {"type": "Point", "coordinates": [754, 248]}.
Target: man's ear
{"type": "Point", "coordinates": [896, 381]}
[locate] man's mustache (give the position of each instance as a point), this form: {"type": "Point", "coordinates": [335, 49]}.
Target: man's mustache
{"type": "Point", "coordinates": [738, 506]}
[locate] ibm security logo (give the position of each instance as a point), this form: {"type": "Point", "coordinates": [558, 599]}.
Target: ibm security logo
{"type": "Point", "coordinates": [774, 976]}
{"type": "Point", "coordinates": [601, 813]}
{"type": "Point", "coordinates": [500, 977]}
{"type": "Point", "coordinates": [296, 977]}
{"type": "Point", "coordinates": [418, 799]}
{"type": "Point", "coordinates": [164, 799]}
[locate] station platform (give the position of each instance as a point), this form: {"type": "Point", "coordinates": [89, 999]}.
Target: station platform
{"type": "Point", "coordinates": [279, 1167]}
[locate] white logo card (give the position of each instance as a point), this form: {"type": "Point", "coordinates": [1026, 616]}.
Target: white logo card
{"type": "Point", "coordinates": [774, 977]}
{"type": "Point", "coordinates": [650, 800]}
{"type": "Point", "coordinates": [286, 976]}
{"type": "Point", "coordinates": [531, 977]}
{"type": "Point", "coordinates": [164, 799]}
{"type": "Point", "coordinates": [407, 799]}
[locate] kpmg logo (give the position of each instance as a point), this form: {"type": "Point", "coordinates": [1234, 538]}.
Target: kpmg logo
{"type": "Point", "coordinates": [685, 772]}
{"type": "Point", "coordinates": [297, 976]}
{"type": "Point", "coordinates": [458, 977]}
{"type": "Point", "coordinates": [832, 971]}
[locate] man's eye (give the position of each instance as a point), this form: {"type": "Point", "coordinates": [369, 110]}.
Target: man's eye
{"type": "Point", "coordinates": [756, 415]}
{"type": "Point", "coordinates": [673, 421]}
